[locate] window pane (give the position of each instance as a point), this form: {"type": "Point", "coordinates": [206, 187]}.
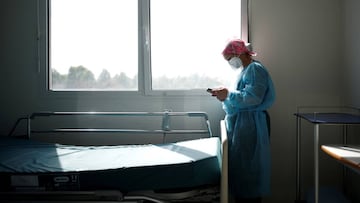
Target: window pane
{"type": "Point", "coordinates": [187, 38]}
{"type": "Point", "coordinates": [93, 45]}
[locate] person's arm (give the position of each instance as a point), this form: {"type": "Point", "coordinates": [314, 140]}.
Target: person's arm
{"type": "Point", "coordinates": [252, 94]}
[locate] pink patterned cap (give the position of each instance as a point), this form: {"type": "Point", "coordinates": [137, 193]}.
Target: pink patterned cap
{"type": "Point", "coordinates": [237, 47]}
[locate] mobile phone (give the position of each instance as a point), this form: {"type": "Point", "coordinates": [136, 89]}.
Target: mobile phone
{"type": "Point", "coordinates": [209, 90]}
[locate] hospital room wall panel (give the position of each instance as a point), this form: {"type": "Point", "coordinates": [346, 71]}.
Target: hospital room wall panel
{"type": "Point", "coordinates": [301, 49]}
{"type": "Point", "coordinates": [298, 41]}
{"type": "Point", "coordinates": [351, 70]}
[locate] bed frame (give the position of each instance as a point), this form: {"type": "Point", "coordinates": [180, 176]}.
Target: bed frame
{"type": "Point", "coordinates": [207, 194]}
{"type": "Point", "coordinates": [165, 129]}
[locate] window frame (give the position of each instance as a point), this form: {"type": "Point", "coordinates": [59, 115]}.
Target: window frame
{"type": "Point", "coordinates": [144, 55]}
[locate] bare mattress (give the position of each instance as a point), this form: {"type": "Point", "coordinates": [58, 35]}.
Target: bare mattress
{"type": "Point", "coordinates": [34, 165]}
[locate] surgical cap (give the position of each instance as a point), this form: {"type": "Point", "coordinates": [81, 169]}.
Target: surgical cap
{"type": "Point", "coordinates": [237, 47]}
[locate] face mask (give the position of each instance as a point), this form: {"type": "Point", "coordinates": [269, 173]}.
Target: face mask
{"type": "Point", "coordinates": [235, 62]}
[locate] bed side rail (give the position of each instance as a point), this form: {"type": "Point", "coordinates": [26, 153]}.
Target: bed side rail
{"type": "Point", "coordinates": [165, 127]}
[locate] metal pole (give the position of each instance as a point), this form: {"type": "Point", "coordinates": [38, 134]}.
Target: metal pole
{"type": "Point", "coordinates": [298, 157]}
{"type": "Point", "coordinates": [316, 161]}
{"type": "Point", "coordinates": [28, 127]}
{"type": "Point", "coordinates": [344, 175]}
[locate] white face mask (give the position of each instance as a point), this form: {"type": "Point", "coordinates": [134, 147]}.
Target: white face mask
{"type": "Point", "coordinates": [235, 62]}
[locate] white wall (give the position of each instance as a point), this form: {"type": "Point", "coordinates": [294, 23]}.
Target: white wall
{"type": "Point", "coordinates": [298, 41]}
{"type": "Point", "coordinates": [351, 41]}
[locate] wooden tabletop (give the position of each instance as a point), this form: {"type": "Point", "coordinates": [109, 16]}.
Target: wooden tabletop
{"type": "Point", "coordinates": [348, 155]}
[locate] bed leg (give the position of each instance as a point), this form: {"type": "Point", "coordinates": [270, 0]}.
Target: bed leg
{"type": "Point", "coordinates": [224, 195]}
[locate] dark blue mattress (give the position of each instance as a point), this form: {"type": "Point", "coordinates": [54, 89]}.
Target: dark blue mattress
{"type": "Point", "coordinates": [28, 164]}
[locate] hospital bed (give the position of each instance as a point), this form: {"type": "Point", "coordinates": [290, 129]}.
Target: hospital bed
{"type": "Point", "coordinates": [191, 170]}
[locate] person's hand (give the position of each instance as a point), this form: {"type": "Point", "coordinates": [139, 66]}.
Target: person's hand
{"type": "Point", "coordinates": [220, 93]}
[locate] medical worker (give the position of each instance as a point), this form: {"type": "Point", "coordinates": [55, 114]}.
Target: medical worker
{"type": "Point", "coordinates": [247, 124]}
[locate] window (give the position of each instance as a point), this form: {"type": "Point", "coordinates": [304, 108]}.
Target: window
{"type": "Point", "coordinates": [100, 45]}
{"type": "Point", "coordinates": [93, 44]}
{"type": "Point", "coordinates": [187, 38]}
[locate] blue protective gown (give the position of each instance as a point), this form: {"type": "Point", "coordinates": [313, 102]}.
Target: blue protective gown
{"type": "Point", "coordinates": [248, 136]}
